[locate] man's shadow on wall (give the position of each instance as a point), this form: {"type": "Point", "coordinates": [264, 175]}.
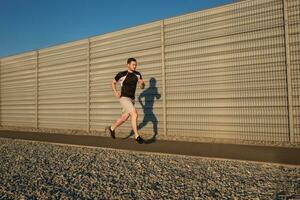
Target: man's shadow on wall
{"type": "Point", "coordinates": [149, 94]}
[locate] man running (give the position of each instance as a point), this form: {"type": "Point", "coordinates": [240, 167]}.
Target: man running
{"type": "Point", "coordinates": [128, 80]}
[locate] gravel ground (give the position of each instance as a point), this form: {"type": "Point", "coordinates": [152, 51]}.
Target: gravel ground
{"type": "Point", "coordinates": [38, 170]}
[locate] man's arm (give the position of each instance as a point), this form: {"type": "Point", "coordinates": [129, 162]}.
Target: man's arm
{"type": "Point", "coordinates": [113, 85]}
{"type": "Point", "coordinates": [141, 83]}
{"type": "Point", "coordinates": [140, 98]}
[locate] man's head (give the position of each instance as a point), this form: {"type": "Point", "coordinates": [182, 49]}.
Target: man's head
{"type": "Point", "coordinates": [131, 63]}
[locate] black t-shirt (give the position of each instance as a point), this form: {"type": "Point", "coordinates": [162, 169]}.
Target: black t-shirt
{"type": "Point", "coordinates": [128, 82]}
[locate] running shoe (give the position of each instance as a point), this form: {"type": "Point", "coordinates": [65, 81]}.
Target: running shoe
{"type": "Point", "coordinates": [139, 139]}
{"type": "Point", "coordinates": [112, 132]}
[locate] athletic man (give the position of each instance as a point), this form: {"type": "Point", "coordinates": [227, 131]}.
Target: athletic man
{"type": "Point", "coordinates": [128, 80]}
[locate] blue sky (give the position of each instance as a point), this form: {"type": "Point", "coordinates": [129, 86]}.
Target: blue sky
{"type": "Point", "coordinates": [27, 25]}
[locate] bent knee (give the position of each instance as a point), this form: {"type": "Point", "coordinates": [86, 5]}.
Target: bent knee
{"type": "Point", "coordinates": [125, 117]}
{"type": "Point", "coordinates": [134, 114]}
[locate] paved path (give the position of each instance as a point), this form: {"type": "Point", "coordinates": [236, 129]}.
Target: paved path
{"type": "Point", "coordinates": [282, 155]}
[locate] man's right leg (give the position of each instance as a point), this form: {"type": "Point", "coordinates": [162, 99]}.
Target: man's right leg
{"type": "Point", "coordinates": [134, 117]}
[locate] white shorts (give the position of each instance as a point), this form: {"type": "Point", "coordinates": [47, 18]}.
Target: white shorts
{"type": "Point", "coordinates": [127, 104]}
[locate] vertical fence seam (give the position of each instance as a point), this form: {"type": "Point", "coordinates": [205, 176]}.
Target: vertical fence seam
{"type": "Point", "coordinates": [0, 98]}
{"type": "Point", "coordinates": [163, 76]}
{"type": "Point", "coordinates": [288, 71]}
{"type": "Point", "coordinates": [88, 86]}
{"type": "Point", "coordinates": [36, 90]}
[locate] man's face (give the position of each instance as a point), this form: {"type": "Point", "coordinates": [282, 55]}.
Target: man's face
{"type": "Point", "coordinates": [132, 65]}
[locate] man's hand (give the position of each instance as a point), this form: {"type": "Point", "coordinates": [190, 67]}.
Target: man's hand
{"type": "Point", "coordinates": [113, 85]}
{"type": "Point", "coordinates": [117, 94]}
{"type": "Point", "coordinates": [141, 83]}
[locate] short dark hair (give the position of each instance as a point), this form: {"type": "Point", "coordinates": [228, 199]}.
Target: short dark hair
{"type": "Point", "coordinates": [130, 60]}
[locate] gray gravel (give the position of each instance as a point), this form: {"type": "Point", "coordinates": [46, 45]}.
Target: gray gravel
{"type": "Point", "coordinates": [37, 170]}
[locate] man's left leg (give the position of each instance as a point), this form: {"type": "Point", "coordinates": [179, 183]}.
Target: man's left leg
{"type": "Point", "coordinates": [120, 121]}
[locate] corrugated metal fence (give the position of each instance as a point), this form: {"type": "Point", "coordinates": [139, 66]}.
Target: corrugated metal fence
{"type": "Point", "coordinates": [226, 72]}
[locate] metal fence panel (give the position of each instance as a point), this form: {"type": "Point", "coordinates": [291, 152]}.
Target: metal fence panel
{"type": "Point", "coordinates": [109, 54]}
{"type": "Point", "coordinates": [294, 45]}
{"type": "Point", "coordinates": [226, 72]}
{"type": "Point", "coordinates": [62, 86]}
{"type": "Point", "coordinates": [17, 81]}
